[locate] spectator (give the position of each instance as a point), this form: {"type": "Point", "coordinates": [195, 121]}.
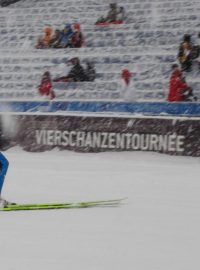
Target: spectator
{"type": "Point", "coordinates": [55, 42]}
{"type": "Point", "coordinates": [4, 164]}
{"type": "Point", "coordinates": [46, 88]}
{"type": "Point", "coordinates": [66, 35]}
{"type": "Point", "coordinates": [114, 15]}
{"type": "Point", "coordinates": [196, 51]}
{"type": "Point", "coordinates": [77, 40]}
{"type": "Point", "coordinates": [5, 3]}
{"type": "Point", "coordinates": [76, 74]}
{"type": "Point", "coordinates": [45, 41]}
{"type": "Point", "coordinates": [179, 90]}
{"type": "Point", "coordinates": [184, 54]}
{"type": "Point", "coordinates": [90, 72]}
{"type": "Point", "coordinates": [128, 92]}
{"type": "Point", "coordinates": [121, 15]}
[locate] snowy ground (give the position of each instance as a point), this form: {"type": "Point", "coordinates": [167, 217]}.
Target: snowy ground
{"type": "Point", "coordinates": [158, 228]}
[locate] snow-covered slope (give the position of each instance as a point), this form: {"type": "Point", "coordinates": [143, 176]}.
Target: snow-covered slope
{"type": "Point", "coordinates": [147, 44]}
{"type": "Point", "coordinates": [158, 227]}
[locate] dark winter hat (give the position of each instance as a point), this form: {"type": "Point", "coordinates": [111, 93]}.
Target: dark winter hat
{"type": "Point", "coordinates": [68, 26]}
{"type": "Point", "coordinates": [113, 5]}
{"type": "Point", "coordinates": [174, 66]}
{"type": "Point", "coordinates": [46, 75]}
{"type": "Point", "coordinates": [90, 64]}
{"type": "Point", "coordinates": [75, 60]}
{"type": "Point", "coordinates": [187, 37]}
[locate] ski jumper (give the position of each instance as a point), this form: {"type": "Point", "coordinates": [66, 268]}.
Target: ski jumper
{"type": "Point", "coordinates": [3, 169]}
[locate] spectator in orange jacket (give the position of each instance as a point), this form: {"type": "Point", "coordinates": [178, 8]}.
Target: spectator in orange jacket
{"type": "Point", "coordinates": [46, 88]}
{"type": "Point", "coordinates": [179, 90]}
{"type": "Point", "coordinates": [45, 41]}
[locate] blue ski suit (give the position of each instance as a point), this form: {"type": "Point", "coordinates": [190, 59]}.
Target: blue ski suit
{"type": "Point", "coordinates": [3, 169]}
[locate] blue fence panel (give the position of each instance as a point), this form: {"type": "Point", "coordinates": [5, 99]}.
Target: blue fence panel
{"type": "Point", "coordinates": [146, 108]}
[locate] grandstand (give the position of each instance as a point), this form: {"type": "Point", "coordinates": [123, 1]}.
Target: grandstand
{"type": "Point", "coordinates": [147, 44]}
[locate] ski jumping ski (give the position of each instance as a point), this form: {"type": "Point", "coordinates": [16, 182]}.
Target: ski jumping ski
{"type": "Point", "coordinates": [67, 205]}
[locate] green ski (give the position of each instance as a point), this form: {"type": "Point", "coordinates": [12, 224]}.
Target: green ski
{"type": "Point", "coordinates": [67, 205]}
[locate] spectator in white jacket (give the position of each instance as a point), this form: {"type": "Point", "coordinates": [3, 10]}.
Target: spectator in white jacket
{"type": "Point", "coordinates": [128, 91]}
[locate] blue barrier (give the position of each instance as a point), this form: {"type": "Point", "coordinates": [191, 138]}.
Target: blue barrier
{"type": "Point", "coordinates": [146, 108]}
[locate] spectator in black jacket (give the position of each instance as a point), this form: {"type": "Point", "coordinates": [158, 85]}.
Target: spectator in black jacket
{"type": "Point", "coordinates": [185, 53]}
{"type": "Point", "coordinates": [111, 16]}
{"type": "Point", "coordinates": [5, 3]}
{"type": "Point", "coordinates": [76, 74]}
{"type": "Point", "coordinates": [121, 15]}
{"type": "Point", "coordinates": [90, 72]}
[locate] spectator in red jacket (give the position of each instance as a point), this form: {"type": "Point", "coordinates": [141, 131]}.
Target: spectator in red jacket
{"type": "Point", "coordinates": [179, 90]}
{"type": "Point", "coordinates": [77, 40]}
{"type": "Point", "coordinates": [127, 88]}
{"type": "Point", "coordinates": [46, 88]}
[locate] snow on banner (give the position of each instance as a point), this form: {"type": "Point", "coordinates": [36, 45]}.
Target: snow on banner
{"type": "Point", "coordinates": [173, 135]}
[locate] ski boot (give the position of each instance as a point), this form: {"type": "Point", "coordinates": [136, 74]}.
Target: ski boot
{"type": "Point", "coordinates": [5, 203]}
